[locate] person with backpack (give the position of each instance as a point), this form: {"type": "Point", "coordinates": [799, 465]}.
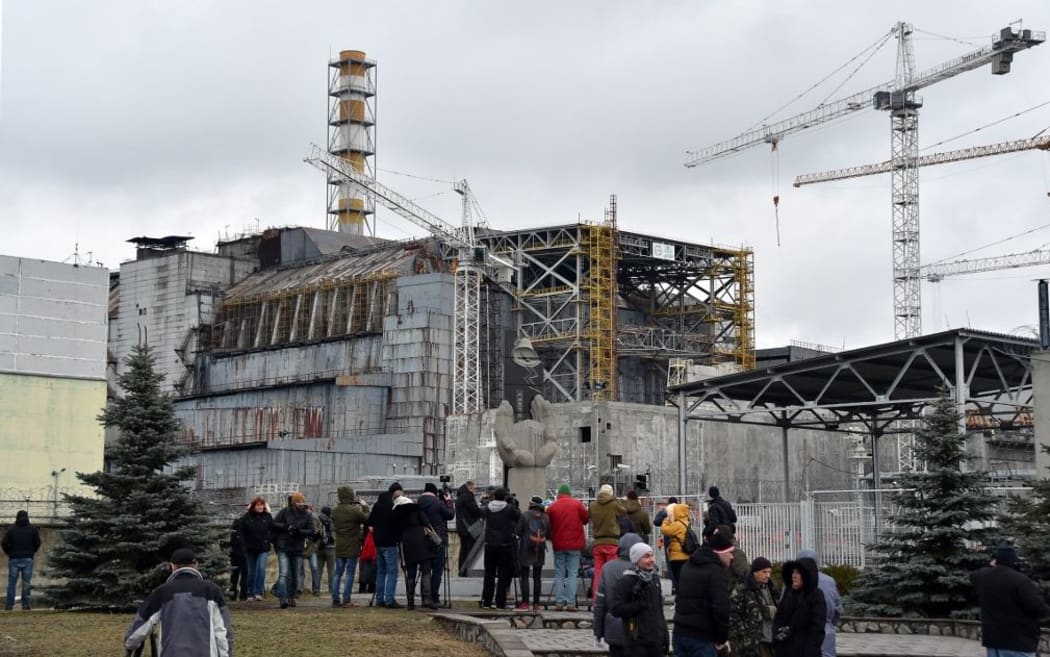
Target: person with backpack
{"type": "Point", "coordinates": [680, 540]}
{"type": "Point", "coordinates": [719, 510]}
{"type": "Point", "coordinates": [534, 528]}
{"type": "Point", "coordinates": [501, 522]}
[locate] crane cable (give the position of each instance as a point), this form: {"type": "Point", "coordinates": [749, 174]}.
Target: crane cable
{"type": "Point", "coordinates": [996, 243]}
{"type": "Point", "coordinates": [775, 175]}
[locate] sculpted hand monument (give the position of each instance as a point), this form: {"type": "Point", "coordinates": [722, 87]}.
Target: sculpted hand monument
{"type": "Point", "coordinates": [530, 443]}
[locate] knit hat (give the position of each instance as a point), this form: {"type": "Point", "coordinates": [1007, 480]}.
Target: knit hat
{"type": "Point", "coordinates": [760, 563]}
{"type": "Point", "coordinates": [297, 498]}
{"type": "Point", "coordinates": [1005, 554]}
{"type": "Point", "coordinates": [183, 557]}
{"type": "Point", "coordinates": [564, 490]}
{"type": "Point", "coordinates": [714, 492]}
{"type": "Point", "coordinates": [606, 489]}
{"type": "Point", "coordinates": [536, 499]}
{"type": "Point", "coordinates": [639, 550]}
{"type": "Point", "coordinates": [429, 487]}
{"type": "Point", "coordinates": [395, 486]}
{"type": "Point", "coordinates": [720, 543]}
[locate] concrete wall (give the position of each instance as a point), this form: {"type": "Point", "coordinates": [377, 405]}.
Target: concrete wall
{"type": "Point", "coordinates": [52, 375]}
{"type": "Point", "coordinates": [52, 318]}
{"type": "Point", "coordinates": [164, 298]}
{"type": "Point", "coordinates": [743, 460]}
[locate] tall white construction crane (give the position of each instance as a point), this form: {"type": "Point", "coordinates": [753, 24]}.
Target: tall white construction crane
{"type": "Point", "coordinates": [938, 271]}
{"type": "Point", "coordinates": [473, 262]}
{"type": "Point", "coordinates": [899, 99]}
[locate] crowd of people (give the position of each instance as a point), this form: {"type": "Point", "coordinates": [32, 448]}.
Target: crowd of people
{"type": "Point", "coordinates": [724, 603]}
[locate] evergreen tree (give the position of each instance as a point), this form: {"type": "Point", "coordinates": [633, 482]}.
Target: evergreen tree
{"type": "Point", "coordinates": [938, 537]}
{"type": "Point", "coordinates": [1027, 521]}
{"type": "Point", "coordinates": [119, 540]}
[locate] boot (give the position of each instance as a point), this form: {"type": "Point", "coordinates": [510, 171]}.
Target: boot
{"type": "Point", "coordinates": [410, 592]}
{"type": "Point", "coordinates": [425, 595]}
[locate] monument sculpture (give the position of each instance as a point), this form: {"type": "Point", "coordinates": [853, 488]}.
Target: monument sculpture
{"type": "Point", "coordinates": [526, 447]}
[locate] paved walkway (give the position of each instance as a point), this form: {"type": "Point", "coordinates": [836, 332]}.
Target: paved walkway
{"type": "Point", "coordinates": [851, 645]}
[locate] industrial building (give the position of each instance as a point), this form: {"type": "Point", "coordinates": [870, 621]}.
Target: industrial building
{"type": "Point", "coordinates": [52, 380]}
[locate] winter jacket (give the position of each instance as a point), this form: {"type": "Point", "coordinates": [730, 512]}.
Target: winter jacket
{"type": "Point", "coordinates": [720, 512]}
{"type": "Point", "coordinates": [832, 600]}
{"type": "Point", "coordinates": [701, 609]}
{"type": "Point", "coordinates": [674, 529]}
{"type": "Point", "coordinates": [194, 619]}
{"type": "Point", "coordinates": [605, 625]}
{"type": "Point", "coordinates": [313, 539]}
{"type": "Point", "coordinates": [327, 539]}
{"type": "Point", "coordinates": [501, 523]}
{"type": "Point", "coordinates": [639, 518]}
{"type": "Point", "coordinates": [348, 519]}
{"type": "Point", "coordinates": [467, 510]}
{"type": "Point", "coordinates": [639, 604]}
{"type": "Point", "coordinates": [1011, 607]}
{"type": "Point", "coordinates": [568, 516]}
{"type": "Point", "coordinates": [409, 519]}
{"type": "Point", "coordinates": [236, 542]}
{"type": "Point", "coordinates": [381, 520]}
{"type": "Point", "coordinates": [437, 512]}
{"type": "Point", "coordinates": [256, 529]}
{"type": "Point", "coordinates": [292, 529]}
{"type": "Point", "coordinates": [800, 614]}
{"type": "Point", "coordinates": [604, 511]}
{"type": "Point", "coordinates": [750, 620]}
{"type": "Point", "coordinates": [532, 553]}
{"type": "Point", "coordinates": [21, 540]}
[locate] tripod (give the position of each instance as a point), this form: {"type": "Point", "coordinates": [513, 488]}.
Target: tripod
{"type": "Point", "coordinates": [448, 574]}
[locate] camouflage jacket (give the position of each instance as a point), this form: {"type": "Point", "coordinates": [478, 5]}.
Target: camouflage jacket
{"type": "Point", "coordinates": [748, 612]}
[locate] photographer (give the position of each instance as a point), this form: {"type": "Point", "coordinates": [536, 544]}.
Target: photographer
{"type": "Point", "coordinates": [292, 527]}
{"type": "Point", "coordinates": [437, 507]}
{"type": "Point", "coordinates": [468, 522]}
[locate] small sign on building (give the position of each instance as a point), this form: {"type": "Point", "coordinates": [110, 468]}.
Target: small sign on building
{"type": "Point", "coordinates": [663, 251]}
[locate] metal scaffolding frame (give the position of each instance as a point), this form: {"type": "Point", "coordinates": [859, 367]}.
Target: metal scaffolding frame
{"type": "Point", "coordinates": [696, 301]}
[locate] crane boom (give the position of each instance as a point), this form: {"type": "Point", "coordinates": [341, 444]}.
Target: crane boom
{"type": "Point", "coordinates": [999, 53]}
{"type": "Point", "coordinates": [939, 270]}
{"type": "Point", "coordinates": [947, 157]}
{"type": "Point", "coordinates": [336, 167]}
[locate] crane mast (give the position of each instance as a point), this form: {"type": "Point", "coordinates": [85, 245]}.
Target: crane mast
{"type": "Point", "coordinates": [899, 99]}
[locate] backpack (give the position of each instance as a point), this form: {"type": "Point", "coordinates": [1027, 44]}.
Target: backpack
{"type": "Point", "coordinates": [536, 540]}
{"type": "Point", "coordinates": [689, 544]}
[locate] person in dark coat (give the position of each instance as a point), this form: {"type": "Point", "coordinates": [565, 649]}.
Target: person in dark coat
{"type": "Point", "coordinates": [534, 530]}
{"type": "Point", "coordinates": [638, 602]}
{"type": "Point", "coordinates": [701, 610]}
{"type": "Point", "coordinates": [238, 563]}
{"type": "Point", "coordinates": [1011, 605]}
{"type": "Point", "coordinates": [501, 521]}
{"type": "Point", "coordinates": [386, 535]}
{"type": "Point", "coordinates": [256, 527]}
{"type": "Point", "coordinates": [20, 543]}
{"type": "Point", "coordinates": [719, 510]}
{"type": "Point", "coordinates": [416, 550]}
{"type": "Point", "coordinates": [438, 509]}
{"type": "Point", "coordinates": [798, 626]}
{"type": "Point", "coordinates": [609, 628]}
{"type": "Point", "coordinates": [292, 527]}
{"type": "Point", "coordinates": [468, 523]}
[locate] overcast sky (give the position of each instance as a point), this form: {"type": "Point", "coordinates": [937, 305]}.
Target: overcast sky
{"type": "Point", "coordinates": [152, 118]}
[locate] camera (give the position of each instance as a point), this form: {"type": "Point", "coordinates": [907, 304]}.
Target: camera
{"type": "Point", "coordinates": [446, 490]}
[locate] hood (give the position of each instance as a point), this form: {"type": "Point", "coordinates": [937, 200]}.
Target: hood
{"type": "Point", "coordinates": [809, 554]}
{"type": "Point", "coordinates": [605, 497]}
{"type": "Point", "coordinates": [681, 512]}
{"type": "Point", "coordinates": [632, 506]}
{"type": "Point", "coordinates": [347, 495]}
{"type": "Point", "coordinates": [627, 541]}
{"type": "Point", "coordinates": [22, 518]}
{"type": "Point", "coordinates": [495, 506]}
{"type": "Point", "coordinates": [401, 500]}
{"type": "Point", "coordinates": [808, 569]}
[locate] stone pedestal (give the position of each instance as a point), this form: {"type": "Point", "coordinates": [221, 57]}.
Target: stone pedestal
{"type": "Point", "coordinates": [525, 482]}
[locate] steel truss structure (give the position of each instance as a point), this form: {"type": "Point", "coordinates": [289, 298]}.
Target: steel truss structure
{"type": "Point", "coordinates": [672, 299]}
{"type": "Point", "coordinates": [870, 390]}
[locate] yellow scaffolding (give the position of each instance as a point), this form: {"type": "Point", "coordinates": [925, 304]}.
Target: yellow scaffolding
{"type": "Point", "coordinates": [745, 309]}
{"type": "Point", "coordinates": [601, 289]}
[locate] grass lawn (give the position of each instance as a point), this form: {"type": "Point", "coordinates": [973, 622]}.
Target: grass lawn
{"type": "Point", "coordinates": [260, 630]}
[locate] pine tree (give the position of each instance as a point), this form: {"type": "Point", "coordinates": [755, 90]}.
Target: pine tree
{"type": "Point", "coordinates": [1027, 521]}
{"type": "Point", "coordinates": [938, 537]}
{"type": "Point", "coordinates": [119, 540]}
